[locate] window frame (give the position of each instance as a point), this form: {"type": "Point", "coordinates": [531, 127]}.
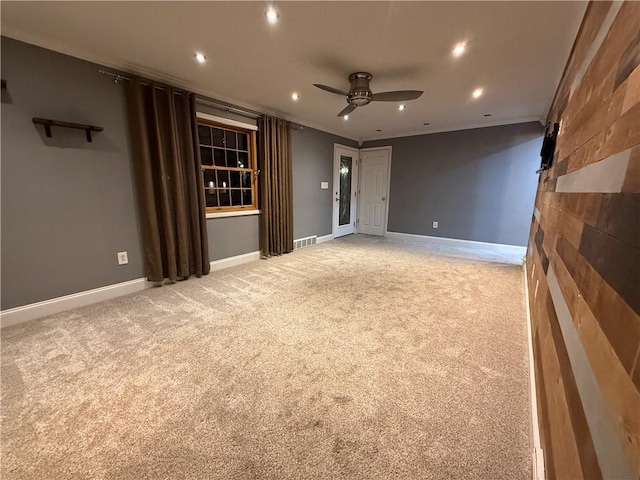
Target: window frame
{"type": "Point", "coordinates": [253, 170]}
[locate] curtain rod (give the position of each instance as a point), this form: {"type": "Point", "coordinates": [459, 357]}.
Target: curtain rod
{"type": "Point", "coordinates": [225, 107]}
{"type": "Point", "coordinates": [199, 99]}
{"type": "Point", "coordinates": [228, 108]}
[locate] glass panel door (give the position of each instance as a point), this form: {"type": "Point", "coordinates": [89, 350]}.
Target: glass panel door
{"type": "Point", "coordinates": [345, 177]}
{"type": "Point", "coordinates": [344, 217]}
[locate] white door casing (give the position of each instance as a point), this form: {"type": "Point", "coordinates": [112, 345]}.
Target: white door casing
{"type": "Point", "coordinates": [345, 184]}
{"type": "Point", "coordinates": [373, 190]}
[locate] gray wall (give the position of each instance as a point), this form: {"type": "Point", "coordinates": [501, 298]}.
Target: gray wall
{"type": "Point", "coordinates": [67, 205]}
{"type": "Point", "coordinates": [478, 184]}
{"type": "Point", "coordinates": [313, 163]}
{"type": "Point", "coordinates": [230, 236]}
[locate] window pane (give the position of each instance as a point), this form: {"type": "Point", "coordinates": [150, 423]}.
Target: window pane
{"type": "Point", "coordinates": [223, 179]}
{"type": "Point", "coordinates": [209, 178]}
{"type": "Point", "coordinates": [236, 197]}
{"type": "Point", "coordinates": [218, 157]}
{"type": "Point", "coordinates": [211, 197]}
{"type": "Point", "coordinates": [218, 137]}
{"type": "Point", "coordinates": [344, 208]}
{"type": "Point", "coordinates": [204, 133]}
{"type": "Point", "coordinates": [232, 158]}
{"type": "Point", "coordinates": [206, 156]}
{"type": "Point", "coordinates": [225, 199]}
{"type": "Point", "coordinates": [243, 160]}
{"type": "Point", "coordinates": [230, 137]}
{"type": "Point", "coordinates": [246, 197]}
{"type": "Point", "coordinates": [243, 141]}
{"type": "Point", "coordinates": [246, 179]}
{"type": "Point", "coordinates": [235, 179]}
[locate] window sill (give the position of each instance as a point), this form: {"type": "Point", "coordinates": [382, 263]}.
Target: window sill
{"type": "Point", "coordinates": [239, 213]}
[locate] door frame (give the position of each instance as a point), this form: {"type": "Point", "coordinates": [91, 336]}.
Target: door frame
{"type": "Point", "coordinates": [386, 208]}
{"type": "Point", "coordinates": [354, 195]}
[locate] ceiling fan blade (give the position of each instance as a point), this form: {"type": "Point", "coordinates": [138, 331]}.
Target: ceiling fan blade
{"type": "Point", "coordinates": [330, 89]}
{"type": "Point", "coordinates": [347, 110]}
{"type": "Point", "coordinates": [398, 96]}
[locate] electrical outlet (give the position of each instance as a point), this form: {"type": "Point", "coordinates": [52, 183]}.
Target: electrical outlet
{"type": "Point", "coordinates": [123, 258]}
{"type": "Point", "coordinates": [435, 224]}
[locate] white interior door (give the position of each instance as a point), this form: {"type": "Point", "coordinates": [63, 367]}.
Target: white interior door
{"type": "Point", "coordinates": [345, 182]}
{"type": "Point", "coordinates": [373, 194]}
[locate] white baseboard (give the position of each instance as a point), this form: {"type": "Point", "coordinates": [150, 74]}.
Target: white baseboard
{"type": "Point", "coordinates": [537, 452]}
{"type": "Point", "coordinates": [453, 242]}
{"type": "Point", "coordinates": [324, 238]}
{"type": "Point", "coordinates": [32, 311]}
{"type": "Point", "coordinates": [233, 261]}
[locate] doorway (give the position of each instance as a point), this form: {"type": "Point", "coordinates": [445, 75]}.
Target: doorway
{"type": "Point", "coordinates": [373, 190]}
{"type": "Point", "coordinates": [361, 190]}
{"type": "Point", "coordinates": [345, 184]}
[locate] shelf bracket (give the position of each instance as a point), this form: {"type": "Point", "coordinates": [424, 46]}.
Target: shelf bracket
{"type": "Point", "coordinates": [48, 123]}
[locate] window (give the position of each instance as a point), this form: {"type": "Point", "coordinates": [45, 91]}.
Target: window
{"type": "Point", "coordinates": [228, 158]}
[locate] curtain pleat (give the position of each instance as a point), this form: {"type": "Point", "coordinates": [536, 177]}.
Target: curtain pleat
{"type": "Point", "coordinates": [166, 162]}
{"type": "Point", "coordinates": [276, 187]}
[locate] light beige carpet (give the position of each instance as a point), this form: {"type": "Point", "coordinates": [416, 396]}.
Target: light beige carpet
{"type": "Point", "coordinates": [360, 358]}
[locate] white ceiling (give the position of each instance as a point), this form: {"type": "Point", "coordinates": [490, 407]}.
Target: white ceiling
{"type": "Point", "coordinates": [516, 52]}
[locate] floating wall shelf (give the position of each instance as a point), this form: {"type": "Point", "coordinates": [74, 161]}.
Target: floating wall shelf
{"type": "Point", "coordinates": [56, 123]}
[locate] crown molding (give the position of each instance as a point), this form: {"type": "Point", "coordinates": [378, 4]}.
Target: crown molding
{"type": "Point", "coordinates": [455, 129]}
{"type": "Point", "coordinates": [133, 69]}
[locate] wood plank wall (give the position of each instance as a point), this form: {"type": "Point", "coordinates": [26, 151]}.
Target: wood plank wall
{"type": "Point", "coordinates": [583, 259]}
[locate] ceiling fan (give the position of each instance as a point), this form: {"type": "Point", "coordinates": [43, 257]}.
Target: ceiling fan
{"type": "Point", "coordinates": [360, 94]}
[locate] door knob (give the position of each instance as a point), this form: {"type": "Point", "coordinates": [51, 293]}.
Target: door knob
{"type": "Point", "coordinates": [384, 198]}
{"type": "Point", "coordinates": [337, 199]}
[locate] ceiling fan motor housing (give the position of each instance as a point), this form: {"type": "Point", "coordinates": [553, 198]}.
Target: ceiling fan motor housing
{"type": "Point", "coordinates": [359, 92]}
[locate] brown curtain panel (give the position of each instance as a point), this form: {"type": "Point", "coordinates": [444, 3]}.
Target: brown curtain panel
{"type": "Point", "coordinates": [276, 187]}
{"type": "Point", "coordinates": [166, 159]}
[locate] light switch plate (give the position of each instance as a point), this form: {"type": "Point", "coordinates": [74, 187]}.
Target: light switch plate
{"type": "Point", "coordinates": [324, 185]}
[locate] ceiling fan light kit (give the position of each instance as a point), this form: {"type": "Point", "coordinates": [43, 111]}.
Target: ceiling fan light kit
{"type": "Point", "coordinates": [360, 93]}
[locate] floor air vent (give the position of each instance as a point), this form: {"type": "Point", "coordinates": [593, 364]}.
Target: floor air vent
{"type": "Point", "coordinates": [304, 242]}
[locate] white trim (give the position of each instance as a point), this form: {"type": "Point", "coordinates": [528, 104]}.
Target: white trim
{"type": "Point", "coordinates": [233, 261]}
{"type": "Point", "coordinates": [324, 238]}
{"type": "Point", "coordinates": [226, 121]}
{"type": "Point", "coordinates": [32, 311]}
{"type": "Point", "coordinates": [537, 452]}
{"type": "Point", "coordinates": [335, 185]}
{"type": "Point", "coordinates": [386, 219]}
{"type": "Point", "coordinates": [124, 67]}
{"type": "Point", "coordinates": [237, 213]}
{"type": "Point", "coordinates": [455, 129]}
{"type": "Point", "coordinates": [497, 247]}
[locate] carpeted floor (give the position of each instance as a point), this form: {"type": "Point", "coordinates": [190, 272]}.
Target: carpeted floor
{"type": "Point", "coordinates": [361, 358]}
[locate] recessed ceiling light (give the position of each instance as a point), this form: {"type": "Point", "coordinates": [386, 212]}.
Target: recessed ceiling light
{"type": "Point", "coordinates": [272, 15]}
{"type": "Point", "coordinates": [487, 114]}
{"type": "Point", "coordinates": [200, 58]}
{"type": "Point", "coordinates": [295, 96]}
{"type": "Point", "coordinates": [401, 107]}
{"type": "Point", "coordinates": [346, 117]}
{"type": "Point", "coordinates": [459, 49]}
{"type": "Point", "coordinates": [477, 93]}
